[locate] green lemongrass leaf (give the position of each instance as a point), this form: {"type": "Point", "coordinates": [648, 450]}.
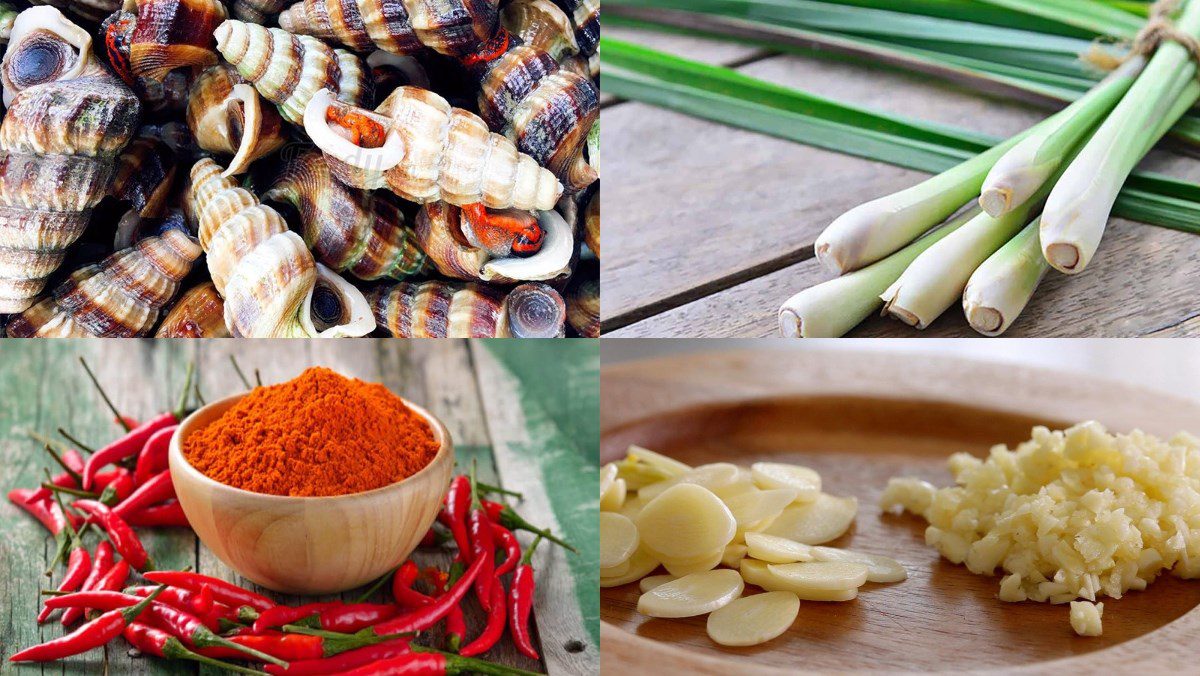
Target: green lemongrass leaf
{"type": "Point", "coordinates": [1091, 16]}
{"type": "Point", "coordinates": [655, 78]}
{"type": "Point", "coordinates": [974, 12]}
{"type": "Point", "coordinates": [832, 308]}
{"type": "Point", "coordinates": [1001, 287]}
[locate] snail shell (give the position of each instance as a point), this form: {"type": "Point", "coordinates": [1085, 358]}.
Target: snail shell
{"type": "Point", "coordinates": [199, 313]}
{"type": "Point", "coordinates": [227, 116]}
{"type": "Point", "coordinates": [349, 230]}
{"type": "Point", "coordinates": [120, 297]}
{"type": "Point", "coordinates": [289, 69]}
{"type": "Point", "coordinates": [67, 121]}
{"type": "Point", "coordinates": [451, 27]}
{"type": "Point", "coordinates": [583, 301]}
{"type": "Point", "coordinates": [172, 34]}
{"type": "Point", "coordinates": [541, 24]}
{"type": "Point", "coordinates": [585, 15]}
{"type": "Point", "coordinates": [144, 176]}
{"type": "Point", "coordinates": [7, 16]}
{"type": "Point", "coordinates": [591, 223]}
{"type": "Point", "coordinates": [436, 309]}
{"type": "Point", "coordinates": [271, 285]}
{"type": "Point", "coordinates": [451, 238]}
{"type": "Point", "coordinates": [424, 150]}
{"type": "Point", "coordinates": [257, 11]}
{"type": "Point", "coordinates": [547, 110]}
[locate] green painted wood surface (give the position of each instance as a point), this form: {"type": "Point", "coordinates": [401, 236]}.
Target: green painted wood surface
{"type": "Point", "coordinates": [538, 406]}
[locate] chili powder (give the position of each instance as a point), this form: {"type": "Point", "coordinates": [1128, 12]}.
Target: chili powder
{"type": "Point", "coordinates": [318, 434]}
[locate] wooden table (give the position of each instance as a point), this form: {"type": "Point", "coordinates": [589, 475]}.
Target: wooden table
{"type": "Point", "coordinates": [528, 416]}
{"type": "Point", "coordinates": [711, 228]}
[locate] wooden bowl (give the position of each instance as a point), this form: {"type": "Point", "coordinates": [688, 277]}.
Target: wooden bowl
{"type": "Point", "coordinates": [860, 418]}
{"type": "Point", "coordinates": [310, 545]}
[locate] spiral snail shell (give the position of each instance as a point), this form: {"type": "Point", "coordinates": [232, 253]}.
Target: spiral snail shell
{"type": "Point", "coordinates": [541, 24]}
{"type": "Point", "coordinates": [68, 118]}
{"type": "Point", "coordinates": [144, 176]}
{"type": "Point", "coordinates": [170, 34]}
{"type": "Point", "coordinates": [349, 230]}
{"type": "Point", "coordinates": [451, 27]}
{"type": "Point", "coordinates": [583, 300]}
{"type": "Point", "coordinates": [436, 309]}
{"type": "Point", "coordinates": [226, 116]}
{"type": "Point", "coordinates": [271, 285]}
{"type": "Point", "coordinates": [289, 69]}
{"type": "Point", "coordinates": [424, 150]}
{"type": "Point", "coordinates": [465, 244]}
{"type": "Point", "coordinates": [591, 223]}
{"type": "Point", "coordinates": [199, 313]}
{"type": "Point", "coordinates": [120, 297]}
{"type": "Point", "coordinates": [585, 15]}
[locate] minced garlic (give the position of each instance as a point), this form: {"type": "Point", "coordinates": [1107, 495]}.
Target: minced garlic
{"type": "Point", "coordinates": [1085, 618]}
{"type": "Point", "coordinates": [1073, 514]}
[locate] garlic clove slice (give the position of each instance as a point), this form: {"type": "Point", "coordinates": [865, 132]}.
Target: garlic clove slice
{"type": "Point", "coordinates": [815, 523]}
{"type": "Point", "coordinates": [653, 581]}
{"type": "Point", "coordinates": [821, 576]}
{"type": "Point", "coordinates": [753, 507]}
{"type": "Point", "coordinates": [698, 565]}
{"type": "Point", "coordinates": [686, 522]}
{"type": "Point", "coordinates": [758, 573]}
{"type": "Point", "coordinates": [806, 482]}
{"type": "Point", "coordinates": [879, 568]}
{"type": "Point", "coordinates": [641, 564]}
{"type": "Point", "coordinates": [618, 539]}
{"type": "Point", "coordinates": [774, 549]}
{"type": "Point", "coordinates": [752, 620]}
{"type": "Point", "coordinates": [694, 594]}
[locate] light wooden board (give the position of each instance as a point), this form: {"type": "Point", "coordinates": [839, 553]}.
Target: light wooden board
{"type": "Point", "coordinates": [43, 387]}
{"type": "Point", "coordinates": [709, 218]}
{"type": "Point", "coordinates": [860, 418]}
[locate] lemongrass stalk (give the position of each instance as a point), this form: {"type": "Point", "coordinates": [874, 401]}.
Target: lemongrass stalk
{"type": "Point", "coordinates": [1078, 208]}
{"type": "Point", "coordinates": [1022, 170]}
{"type": "Point", "coordinates": [832, 308]}
{"type": "Point", "coordinates": [1000, 289]}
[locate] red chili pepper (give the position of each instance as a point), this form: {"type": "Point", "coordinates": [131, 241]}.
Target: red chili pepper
{"type": "Point", "coordinates": [424, 618]}
{"type": "Point", "coordinates": [153, 457]}
{"type": "Point", "coordinates": [79, 563]}
{"type": "Point", "coordinates": [154, 641]}
{"type": "Point", "coordinates": [194, 633]}
{"type": "Point", "coordinates": [505, 516]}
{"type": "Point", "coordinates": [350, 618]}
{"type": "Point", "coordinates": [48, 513]}
{"type": "Point", "coordinates": [344, 661]}
{"type": "Point", "coordinates": [94, 600]}
{"type": "Point", "coordinates": [91, 635]}
{"type": "Point", "coordinates": [155, 490]}
{"type": "Point", "coordinates": [119, 482]}
{"type": "Point", "coordinates": [124, 447]}
{"type": "Point", "coordinates": [402, 589]}
{"type": "Point", "coordinates": [494, 628]}
{"type": "Point", "coordinates": [482, 547]}
{"type": "Point", "coordinates": [281, 615]}
{"type": "Point", "coordinates": [511, 547]}
{"type": "Point", "coordinates": [456, 622]}
{"type": "Point", "coordinates": [199, 604]}
{"type": "Point", "coordinates": [458, 502]}
{"type": "Point", "coordinates": [428, 662]}
{"type": "Point", "coordinates": [520, 603]}
{"type": "Point", "coordinates": [168, 514]}
{"type": "Point", "coordinates": [226, 592]}
{"type": "Point", "coordinates": [101, 562]}
{"type": "Point", "coordinates": [114, 579]}
{"type": "Point", "coordinates": [66, 479]}
{"type": "Point", "coordinates": [126, 542]}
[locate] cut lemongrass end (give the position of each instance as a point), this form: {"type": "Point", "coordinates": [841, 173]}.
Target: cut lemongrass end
{"type": "Point", "coordinates": [1001, 287]}
{"type": "Point", "coordinates": [832, 308]}
{"type": "Point", "coordinates": [996, 200]}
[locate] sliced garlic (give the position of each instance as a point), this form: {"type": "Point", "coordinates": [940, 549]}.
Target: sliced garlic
{"type": "Point", "coordinates": [671, 466]}
{"type": "Point", "coordinates": [821, 576]}
{"type": "Point", "coordinates": [608, 474]}
{"type": "Point", "coordinates": [774, 549]}
{"type": "Point", "coordinates": [752, 620]}
{"type": "Point", "coordinates": [806, 482]}
{"type": "Point", "coordinates": [685, 523]}
{"type": "Point", "coordinates": [699, 565]}
{"type": "Point", "coordinates": [758, 573]}
{"type": "Point", "coordinates": [653, 581]}
{"type": "Point", "coordinates": [612, 499]}
{"type": "Point", "coordinates": [755, 507]}
{"type": "Point", "coordinates": [632, 507]}
{"type": "Point", "coordinates": [618, 539]}
{"type": "Point", "coordinates": [879, 568]}
{"type": "Point", "coordinates": [694, 594]}
{"type": "Point", "coordinates": [713, 477]}
{"type": "Point", "coordinates": [825, 519]}
{"type": "Point", "coordinates": [641, 564]}
{"type": "Point", "coordinates": [616, 570]}
{"type": "Point", "coordinates": [733, 555]}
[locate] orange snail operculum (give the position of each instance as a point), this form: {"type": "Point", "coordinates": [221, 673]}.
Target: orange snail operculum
{"type": "Point", "coordinates": [355, 127]}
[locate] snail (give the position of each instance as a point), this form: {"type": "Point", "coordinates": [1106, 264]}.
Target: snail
{"type": "Point", "coordinates": [524, 94]}
{"type": "Point", "coordinates": [436, 309]}
{"type": "Point", "coordinates": [226, 116]}
{"type": "Point", "coordinates": [543, 25]}
{"type": "Point", "coordinates": [289, 69]}
{"type": "Point", "coordinates": [144, 176]}
{"type": "Point", "coordinates": [120, 297]}
{"type": "Point", "coordinates": [199, 313]}
{"type": "Point", "coordinates": [583, 300]}
{"type": "Point", "coordinates": [349, 230]}
{"type": "Point", "coordinates": [585, 16]}
{"type": "Point", "coordinates": [7, 16]}
{"type": "Point", "coordinates": [68, 119]}
{"type": "Point", "coordinates": [591, 223]}
{"type": "Point", "coordinates": [424, 150]}
{"type": "Point", "coordinates": [504, 247]}
{"type": "Point", "coordinates": [271, 285]}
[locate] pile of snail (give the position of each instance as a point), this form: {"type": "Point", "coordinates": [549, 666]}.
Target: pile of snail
{"type": "Point", "coordinates": [332, 168]}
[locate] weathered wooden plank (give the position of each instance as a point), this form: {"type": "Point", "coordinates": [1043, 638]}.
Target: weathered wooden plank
{"type": "Point", "coordinates": [677, 256]}
{"type": "Point", "coordinates": [532, 453]}
{"type": "Point", "coordinates": [1104, 301]}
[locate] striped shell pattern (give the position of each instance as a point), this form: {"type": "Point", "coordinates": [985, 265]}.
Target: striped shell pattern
{"type": "Point", "coordinates": [450, 27]}
{"type": "Point", "coordinates": [436, 309]}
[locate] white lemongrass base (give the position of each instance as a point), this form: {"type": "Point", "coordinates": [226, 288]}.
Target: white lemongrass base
{"type": "Point", "coordinates": [1000, 289]}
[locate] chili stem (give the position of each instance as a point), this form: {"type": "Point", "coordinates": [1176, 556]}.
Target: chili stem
{"type": "Point", "coordinates": [528, 556]}
{"type": "Point", "coordinates": [488, 488]}
{"type": "Point", "coordinates": [79, 444]}
{"type": "Point", "coordinates": [196, 391]}
{"type": "Point", "coordinates": [375, 586]}
{"type": "Point", "coordinates": [61, 463]}
{"type": "Point", "coordinates": [238, 369]}
{"type": "Point", "coordinates": [473, 665]}
{"type": "Point", "coordinates": [69, 491]}
{"type": "Point", "coordinates": [258, 377]}
{"type": "Point", "coordinates": [104, 395]}
{"type": "Point", "coordinates": [187, 386]}
{"type": "Point", "coordinates": [174, 649]}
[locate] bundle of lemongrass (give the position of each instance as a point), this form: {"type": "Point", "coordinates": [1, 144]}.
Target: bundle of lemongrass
{"type": "Point", "coordinates": [1044, 198]}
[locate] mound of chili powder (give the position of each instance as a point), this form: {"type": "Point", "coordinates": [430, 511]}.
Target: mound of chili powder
{"type": "Point", "coordinates": [318, 434]}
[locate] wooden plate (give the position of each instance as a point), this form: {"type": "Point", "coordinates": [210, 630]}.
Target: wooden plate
{"type": "Point", "coordinates": [860, 418]}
